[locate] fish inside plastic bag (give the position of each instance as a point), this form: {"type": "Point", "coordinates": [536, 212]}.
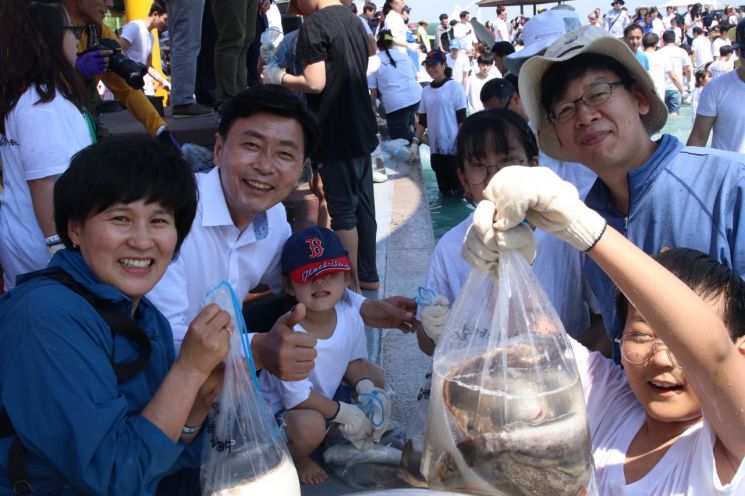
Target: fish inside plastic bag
{"type": "Point", "coordinates": [246, 454]}
{"type": "Point", "coordinates": [507, 412]}
{"type": "Point", "coordinates": [373, 468]}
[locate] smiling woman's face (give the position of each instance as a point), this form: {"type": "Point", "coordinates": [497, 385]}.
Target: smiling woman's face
{"type": "Point", "coordinates": [128, 245]}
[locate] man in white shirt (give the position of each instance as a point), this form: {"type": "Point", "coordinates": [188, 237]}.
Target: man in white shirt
{"type": "Point", "coordinates": [721, 39]}
{"type": "Point", "coordinates": [720, 107]}
{"type": "Point", "coordinates": [723, 64]}
{"type": "Point", "coordinates": [137, 43]}
{"type": "Point", "coordinates": [443, 33]}
{"type": "Point", "coordinates": [616, 19]}
{"type": "Point", "coordinates": [701, 47]}
{"type": "Point", "coordinates": [265, 137]}
{"type": "Point", "coordinates": [501, 29]}
{"type": "Point", "coordinates": [680, 64]}
{"type": "Point", "coordinates": [463, 32]}
{"type": "Point", "coordinates": [458, 62]}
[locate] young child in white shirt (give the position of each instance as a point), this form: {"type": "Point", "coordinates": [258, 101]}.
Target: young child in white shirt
{"type": "Point", "coordinates": [477, 81]}
{"type": "Point", "coordinates": [316, 271]}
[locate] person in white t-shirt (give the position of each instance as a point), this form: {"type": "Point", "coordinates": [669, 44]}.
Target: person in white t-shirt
{"type": "Point", "coordinates": [724, 63]}
{"type": "Point", "coordinates": [42, 125]}
{"type": "Point", "coordinates": [477, 81]}
{"type": "Point", "coordinates": [668, 421]}
{"type": "Point", "coordinates": [395, 23]}
{"type": "Point", "coordinates": [315, 270]}
{"type": "Point", "coordinates": [701, 47]}
{"type": "Point", "coordinates": [703, 77]}
{"type": "Point", "coordinates": [458, 62]}
{"type": "Point", "coordinates": [658, 64]}
{"type": "Point", "coordinates": [720, 109]}
{"type": "Point", "coordinates": [501, 30]}
{"type": "Point", "coordinates": [679, 67]}
{"type": "Point", "coordinates": [720, 40]}
{"type": "Point", "coordinates": [396, 85]}
{"type": "Point", "coordinates": [463, 31]}
{"type": "Point", "coordinates": [137, 43]}
{"type": "Point", "coordinates": [441, 112]}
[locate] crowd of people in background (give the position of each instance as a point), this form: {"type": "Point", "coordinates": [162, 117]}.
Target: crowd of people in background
{"type": "Point", "coordinates": [89, 223]}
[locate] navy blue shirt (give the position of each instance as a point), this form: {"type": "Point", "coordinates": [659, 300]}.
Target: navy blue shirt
{"type": "Point", "coordinates": [82, 432]}
{"type": "Point", "coordinates": [682, 197]}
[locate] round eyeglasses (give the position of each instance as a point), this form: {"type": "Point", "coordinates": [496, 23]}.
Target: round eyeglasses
{"type": "Point", "coordinates": [478, 173]}
{"type": "Point", "coordinates": [595, 95]}
{"type": "Point", "coordinates": [638, 349]}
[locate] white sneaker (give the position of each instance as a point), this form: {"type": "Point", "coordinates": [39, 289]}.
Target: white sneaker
{"type": "Point", "coordinates": [378, 176]}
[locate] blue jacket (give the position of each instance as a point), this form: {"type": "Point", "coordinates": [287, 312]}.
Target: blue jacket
{"type": "Point", "coordinates": [82, 433]}
{"type": "Point", "coordinates": [682, 197]}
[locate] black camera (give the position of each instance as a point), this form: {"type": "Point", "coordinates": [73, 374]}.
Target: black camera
{"type": "Point", "coordinates": [131, 71]}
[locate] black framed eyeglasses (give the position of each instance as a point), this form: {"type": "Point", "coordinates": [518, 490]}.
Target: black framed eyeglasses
{"type": "Point", "coordinates": [77, 31]}
{"type": "Point", "coordinates": [595, 95]}
{"type": "Point", "coordinates": [478, 173]}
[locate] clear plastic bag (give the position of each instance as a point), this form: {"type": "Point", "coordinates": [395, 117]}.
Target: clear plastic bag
{"type": "Point", "coordinates": [246, 454]}
{"type": "Point", "coordinates": [507, 412]}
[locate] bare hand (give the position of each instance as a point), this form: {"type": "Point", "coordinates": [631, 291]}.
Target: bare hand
{"type": "Point", "coordinates": [396, 312]}
{"type": "Point", "coordinates": [207, 340]}
{"type": "Point", "coordinates": [285, 353]}
{"type": "Point", "coordinates": [264, 5]}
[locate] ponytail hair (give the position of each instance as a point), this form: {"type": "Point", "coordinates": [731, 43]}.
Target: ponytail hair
{"type": "Point", "coordinates": [385, 43]}
{"type": "Point", "coordinates": [32, 38]}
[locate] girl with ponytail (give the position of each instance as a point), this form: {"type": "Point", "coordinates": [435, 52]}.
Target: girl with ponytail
{"type": "Point", "coordinates": [395, 84]}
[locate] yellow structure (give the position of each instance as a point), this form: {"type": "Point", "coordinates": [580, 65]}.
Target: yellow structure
{"type": "Point", "coordinates": [138, 9]}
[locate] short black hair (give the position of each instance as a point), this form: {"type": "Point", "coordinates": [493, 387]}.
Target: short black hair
{"type": "Point", "coordinates": [443, 16]}
{"type": "Point", "coordinates": [632, 27]}
{"type": "Point", "coordinates": [709, 279]}
{"type": "Point", "coordinates": [125, 170]}
{"type": "Point", "coordinates": [158, 7]}
{"type": "Point", "coordinates": [498, 88]}
{"type": "Point", "coordinates": [650, 40]}
{"type": "Point", "coordinates": [464, 14]}
{"type": "Point", "coordinates": [271, 99]}
{"type": "Point", "coordinates": [494, 123]}
{"type": "Point", "coordinates": [485, 59]}
{"type": "Point", "coordinates": [725, 50]}
{"type": "Point", "coordinates": [502, 48]}
{"type": "Point", "coordinates": [557, 78]}
{"type": "Point", "coordinates": [697, 30]}
{"type": "Point", "coordinates": [668, 36]}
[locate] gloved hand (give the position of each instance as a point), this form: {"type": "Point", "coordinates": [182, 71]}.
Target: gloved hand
{"type": "Point", "coordinates": [93, 62]}
{"type": "Point", "coordinates": [273, 75]}
{"type": "Point", "coordinates": [413, 154]}
{"type": "Point", "coordinates": [165, 137]}
{"type": "Point", "coordinates": [354, 425]}
{"type": "Point", "coordinates": [376, 404]}
{"type": "Point", "coordinates": [434, 317]}
{"type": "Point", "coordinates": [483, 242]}
{"type": "Point", "coordinates": [538, 194]}
{"type": "Point", "coordinates": [166, 85]}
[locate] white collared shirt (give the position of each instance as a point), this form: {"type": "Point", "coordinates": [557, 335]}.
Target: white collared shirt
{"type": "Point", "coordinates": [215, 250]}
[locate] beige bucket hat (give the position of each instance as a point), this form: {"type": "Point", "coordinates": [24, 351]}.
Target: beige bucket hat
{"type": "Point", "coordinates": [587, 39]}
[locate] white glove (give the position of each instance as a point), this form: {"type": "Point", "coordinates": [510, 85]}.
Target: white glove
{"type": "Point", "coordinates": [274, 75]}
{"type": "Point", "coordinates": [376, 404]}
{"type": "Point", "coordinates": [434, 317]}
{"type": "Point", "coordinates": [354, 425]}
{"type": "Point", "coordinates": [538, 194]}
{"type": "Point", "coordinates": [483, 242]}
{"type": "Point", "coordinates": [413, 154]}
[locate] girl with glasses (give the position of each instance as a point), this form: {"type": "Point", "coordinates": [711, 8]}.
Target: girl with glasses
{"type": "Point", "coordinates": [42, 125]}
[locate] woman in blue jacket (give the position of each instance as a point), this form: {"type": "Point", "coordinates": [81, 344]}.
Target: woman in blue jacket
{"type": "Point", "coordinates": [93, 399]}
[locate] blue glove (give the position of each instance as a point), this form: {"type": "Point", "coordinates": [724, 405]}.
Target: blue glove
{"type": "Point", "coordinates": [165, 137]}
{"type": "Point", "coordinates": [376, 405]}
{"type": "Point", "coordinates": [92, 63]}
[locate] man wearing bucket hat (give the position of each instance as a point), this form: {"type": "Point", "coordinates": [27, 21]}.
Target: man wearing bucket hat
{"type": "Point", "coordinates": [592, 102]}
{"type": "Point", "coordinates": [616, 19]}
{"type": "Point", "coordinates": [718, 110]}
